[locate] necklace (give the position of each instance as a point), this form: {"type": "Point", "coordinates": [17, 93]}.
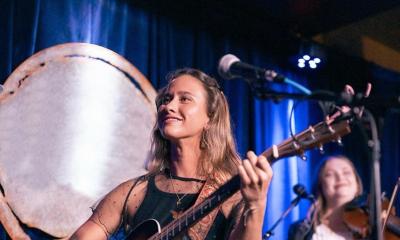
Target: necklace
{"type": "Point", "coordinates": [179, 201]}
{"type": "Point", "coordinates": [196, 188]}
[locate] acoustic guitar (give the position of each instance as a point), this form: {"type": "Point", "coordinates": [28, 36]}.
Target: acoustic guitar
{"type": "Point", "coordinates": [314, 136]}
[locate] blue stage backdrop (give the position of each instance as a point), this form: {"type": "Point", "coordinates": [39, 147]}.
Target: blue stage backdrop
{"type": "Point", "coordinates": [156, 44]}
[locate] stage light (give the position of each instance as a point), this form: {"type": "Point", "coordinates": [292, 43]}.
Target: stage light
{"type": "Point", "coordinates": [310, 55]}
{"type": "Point", "coordinates": [301, 65]}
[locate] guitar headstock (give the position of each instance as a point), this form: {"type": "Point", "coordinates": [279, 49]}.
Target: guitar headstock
{"type": "Point", "coordinates": [313, 137]}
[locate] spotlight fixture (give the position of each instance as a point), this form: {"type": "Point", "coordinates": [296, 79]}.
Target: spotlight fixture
{"type": "Point", "coordinates": [310, 56]}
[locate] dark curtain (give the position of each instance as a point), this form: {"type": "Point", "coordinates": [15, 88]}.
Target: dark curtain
{"type": "Point", "coordinates": [157, 43]}
{"type": "Point", "coordinates": [388, 84]}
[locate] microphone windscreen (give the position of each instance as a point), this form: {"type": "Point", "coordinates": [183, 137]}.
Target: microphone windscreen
{"type": "Point", "coordinates": [225, 64]}
{"type": "Point", "coordinates": [299, 189]}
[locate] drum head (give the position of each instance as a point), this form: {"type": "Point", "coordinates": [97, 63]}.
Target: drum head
{"type": "Point", "coordinates": [75, 121]}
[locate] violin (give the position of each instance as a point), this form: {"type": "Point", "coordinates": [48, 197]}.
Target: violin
{"type": "Point", "coordinates": [356, 218]}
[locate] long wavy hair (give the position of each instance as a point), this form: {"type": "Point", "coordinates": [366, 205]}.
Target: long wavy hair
{"type": "Point", "coordinates": [217, 143]}
{"type": "Point", "coordinates": [318, 209]}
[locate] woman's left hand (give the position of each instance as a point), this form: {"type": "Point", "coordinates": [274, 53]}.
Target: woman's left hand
{"type": "Point", "coordinates": [256, 174]}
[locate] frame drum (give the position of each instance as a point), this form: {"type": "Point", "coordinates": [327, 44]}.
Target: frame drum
{"type": "Point", "coordinates": [75, 121]}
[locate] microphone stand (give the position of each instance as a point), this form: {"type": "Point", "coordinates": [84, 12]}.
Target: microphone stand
{"type": "Point", "coordinates": [357, 103]}
{"type": "Point", "coordinates": [354, 102]}
{"type": "Point", "coordinates": [293, 204]}
{"type": "Point", "coordinates": [375, 207]}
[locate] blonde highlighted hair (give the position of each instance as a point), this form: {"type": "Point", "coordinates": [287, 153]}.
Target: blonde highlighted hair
{"type": "Point", "coordinates": [217, 143]}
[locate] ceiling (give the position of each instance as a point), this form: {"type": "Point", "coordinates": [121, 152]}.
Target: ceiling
{"type": "Point", "coordinates": [310, 17]}
{"type": "Point", "coordinates": [375, 39]}
{"type": "Point", "coordinates": [355, 27]}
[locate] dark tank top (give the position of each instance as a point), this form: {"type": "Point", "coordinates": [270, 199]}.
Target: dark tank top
{"type": "Point", "coordinates": [162, 206]}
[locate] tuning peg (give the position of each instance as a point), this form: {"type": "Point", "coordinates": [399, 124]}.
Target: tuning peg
{"type": "Point", "coordinates": [321, 149]}
{"type": "Point", "coordinates": [303, 157]}
{"type": "Point", "coordinates": [383, 196]}
{"type": "Point", "coordinates": [296, 145]}
{"type": "Point", "coordinates": [275, 152]}
{"type": "Point", "coordinates": [339, 141]}
{"type": "Point", "coordinates": [330, 129]}
{"type": "Point", "coordinates": [312, 131]}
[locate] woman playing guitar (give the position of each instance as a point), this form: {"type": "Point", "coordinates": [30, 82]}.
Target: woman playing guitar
{"type": "Point", "coordinates": [193, 153]}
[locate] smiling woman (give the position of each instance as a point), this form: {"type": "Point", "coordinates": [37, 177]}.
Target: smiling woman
{"type": "Point", "coordinates": [182, 110]}
{"type": "Point", "coordinates": [197, 102]}
{"type": "Point", "coordinates": [338, 183]}
{"type": "Point", "coordinates": [193, 154]}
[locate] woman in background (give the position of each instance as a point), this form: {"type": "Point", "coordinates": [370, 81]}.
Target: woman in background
{"type": "Point", "coordinates": [337, 184]}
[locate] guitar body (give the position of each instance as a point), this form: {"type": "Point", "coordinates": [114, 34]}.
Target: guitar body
{"type": "Point", "coordinates": [145, 230]}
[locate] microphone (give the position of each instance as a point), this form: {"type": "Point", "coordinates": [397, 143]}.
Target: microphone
{"type": "Point", "coordinates": [231, 67]}
{"type": "Point", "coordinates": [301, 192]}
